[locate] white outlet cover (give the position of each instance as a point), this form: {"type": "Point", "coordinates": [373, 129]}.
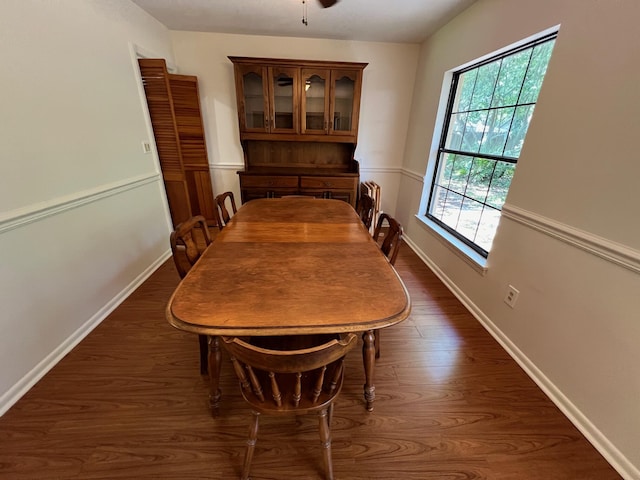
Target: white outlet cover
{"type": "Point", "coordinates": [512, 296]}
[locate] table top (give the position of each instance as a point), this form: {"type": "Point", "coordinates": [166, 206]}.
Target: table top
{"type": "Point", "coordinates": [290, 266]}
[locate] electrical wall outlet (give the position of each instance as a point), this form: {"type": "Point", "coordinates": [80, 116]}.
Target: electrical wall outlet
{"type": "Point", "coordinates": [512, 296]}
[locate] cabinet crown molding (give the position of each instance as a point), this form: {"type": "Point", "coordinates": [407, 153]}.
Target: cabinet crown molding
{"type": "Point", "coordinates": [290, 62]}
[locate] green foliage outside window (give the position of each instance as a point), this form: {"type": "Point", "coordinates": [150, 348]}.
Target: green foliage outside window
{"type": "Point", "coordinates": [487, 121]}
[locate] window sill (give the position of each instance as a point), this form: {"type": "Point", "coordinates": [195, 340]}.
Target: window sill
{"type": "Point", "coordinates": [470, 256]}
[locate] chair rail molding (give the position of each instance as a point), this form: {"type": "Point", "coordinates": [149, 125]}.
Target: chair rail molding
{"type": "Point", "coordinates": [419, 177]}
{"type": "Point", "coordinates": [38, 211]}
{"type": "Point", "coordinates": [613, 252]}
{"type": "Point", "coordinates": [226, 166]}
{"type": "Point", "coordinates": [364, 168]}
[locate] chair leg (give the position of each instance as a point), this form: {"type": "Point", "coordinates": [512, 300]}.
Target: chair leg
{"type": "Point", "coordinates": [330, 418]}
{"type": "Point", "coordinates": [325, 441]}
{"type": "Point", "coordinates": [376, 334]}
{"type": "Point", "coordinates": [251, 445]}
{"type": "Point", "coordinates": [204, 354]}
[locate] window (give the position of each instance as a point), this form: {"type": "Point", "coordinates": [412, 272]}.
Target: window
{"type": "Point", "coordinates": [488, 113]}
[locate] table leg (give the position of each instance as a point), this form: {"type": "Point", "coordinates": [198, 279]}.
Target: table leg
{"type": "Point", "coordinates": [214, 375]}
{"type": "Point", "coordinates": [369, 359]}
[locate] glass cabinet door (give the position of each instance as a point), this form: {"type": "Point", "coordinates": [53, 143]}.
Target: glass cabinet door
{"type": "Point", "coordinates": [283, 84]}
{"type": "Point", "coordinates": [343, 96]}
{"type": "Point", "coordinates": [308, 99]}
{"type": "Point", "coordinates": [254, 94]}
{"type": "Point", "coordinates": [315, 101]}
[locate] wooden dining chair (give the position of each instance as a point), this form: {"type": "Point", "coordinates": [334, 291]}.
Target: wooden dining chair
{"type": "Point", "coordinates": [188, 242]}
{"type": "Point", "coordinates": [290, 375]}
{"type": "Point", "coordinates": [391, 236]}
{"type": "Point", "coordinates": [225, 213]}
{"type": "Point", "coordinates": [365, 209]}
{"type": "Point", "coordinates": [390, 245]}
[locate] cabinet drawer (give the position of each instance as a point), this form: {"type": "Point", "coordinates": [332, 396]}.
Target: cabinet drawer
{"type": "Point", "coordinates": [263, 181]}
{"type": "Point", "coordinates": [328, 182]}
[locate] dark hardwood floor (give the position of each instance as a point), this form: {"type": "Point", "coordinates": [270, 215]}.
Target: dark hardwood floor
{"type": "Point", "coordinates": [129, 403]}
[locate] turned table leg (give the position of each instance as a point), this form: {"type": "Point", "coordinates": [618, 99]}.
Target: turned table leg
{"type": "Point", "coordinates": [214, 375]}
{"type": "Point", "coordinates": [369, 358]}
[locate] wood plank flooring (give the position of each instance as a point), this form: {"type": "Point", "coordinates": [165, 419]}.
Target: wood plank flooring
{"type": "Point", "coordinates": [129, 403]}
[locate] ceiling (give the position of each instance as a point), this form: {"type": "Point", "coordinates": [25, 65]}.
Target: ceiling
{"type": "Point", "coordinates": [396, 21]}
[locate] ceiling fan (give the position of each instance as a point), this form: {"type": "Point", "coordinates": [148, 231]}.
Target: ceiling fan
{"type": "Point", "coordinates": [323, 4]}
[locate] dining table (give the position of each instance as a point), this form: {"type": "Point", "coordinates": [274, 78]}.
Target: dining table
{"type": "Point", "coordinates": [290, 266]}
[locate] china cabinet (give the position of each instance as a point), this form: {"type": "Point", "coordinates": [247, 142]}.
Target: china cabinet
{"type": "Point", "coordinates": [298, 122]}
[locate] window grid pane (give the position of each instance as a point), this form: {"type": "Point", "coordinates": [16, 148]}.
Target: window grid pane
{"type": "Point", "coordinates": [497, 131]}
{"type": "Point", "coordinates": [490, 109]}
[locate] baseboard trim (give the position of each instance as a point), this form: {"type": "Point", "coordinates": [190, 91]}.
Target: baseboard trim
{"type": "Point", "coordinates": [607, 449]}
{"type": "Point", "coordinates": [9, 398]}
{"type": "Point", "coordinates": [32, 213]}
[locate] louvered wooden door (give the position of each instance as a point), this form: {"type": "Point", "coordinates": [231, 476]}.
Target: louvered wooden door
{"type": "Point", "coordinates": [186, 107]}
{"type": "Point", "coordinates": [174, 108]}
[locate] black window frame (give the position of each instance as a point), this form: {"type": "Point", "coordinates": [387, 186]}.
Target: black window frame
{"type": "Point", "coordinates": [442, 150]}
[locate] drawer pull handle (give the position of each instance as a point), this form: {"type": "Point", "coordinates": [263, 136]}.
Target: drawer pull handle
{"type": "Point", "coordinates": [328, 184]}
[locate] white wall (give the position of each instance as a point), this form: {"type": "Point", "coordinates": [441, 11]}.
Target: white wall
{"type": "Point", "coordinates": [385, 104]}
{"type": "Point", "coordinates": [569, 238]}
{"type": "Point", "coordinates": [82, 211]}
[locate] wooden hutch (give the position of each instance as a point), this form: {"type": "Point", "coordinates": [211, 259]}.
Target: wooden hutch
{"type": "Point", "coordinates": [298, 127]}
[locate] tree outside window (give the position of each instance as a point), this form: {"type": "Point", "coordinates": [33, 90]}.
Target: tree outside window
{"type": "Point", "coordinates": [490, 107]}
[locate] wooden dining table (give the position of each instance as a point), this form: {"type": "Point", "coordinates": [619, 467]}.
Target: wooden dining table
{"type": "Point", "coordinates": [290, 266]}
